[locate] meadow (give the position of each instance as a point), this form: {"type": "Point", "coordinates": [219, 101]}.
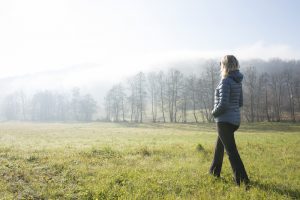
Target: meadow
{"type": "Point", "coordinates": [144, 161]}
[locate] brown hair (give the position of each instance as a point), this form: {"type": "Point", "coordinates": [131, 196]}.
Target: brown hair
{"type": "Point", "coordinates": [228, 63]}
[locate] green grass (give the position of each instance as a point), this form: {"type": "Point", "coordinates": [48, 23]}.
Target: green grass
{"type": "Point", "coordinates": [144, 161]}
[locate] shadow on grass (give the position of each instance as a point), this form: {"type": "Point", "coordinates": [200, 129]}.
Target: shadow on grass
{"type": "Point", "coordinates": [204, 127]}
{"type": "Point", "coordinates": [270, 127]}
{"type": "Point", "coordinates": [279, 189]}
{"type": "Point", "coordinates": [268, 187]}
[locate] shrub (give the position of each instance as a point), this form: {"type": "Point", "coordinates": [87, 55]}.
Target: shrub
{"type": "Point", "coordinates": [200, 147]}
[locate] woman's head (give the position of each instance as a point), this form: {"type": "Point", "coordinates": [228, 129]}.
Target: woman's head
{"type": "Point", "coordinates": [228, 63]}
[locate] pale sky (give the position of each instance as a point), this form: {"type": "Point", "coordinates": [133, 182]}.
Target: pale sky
{"type": "Point", "coordinates": [124, 36]}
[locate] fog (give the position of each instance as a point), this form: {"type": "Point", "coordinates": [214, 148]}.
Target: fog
{"type": "Point", "coordinates": [67, 55]}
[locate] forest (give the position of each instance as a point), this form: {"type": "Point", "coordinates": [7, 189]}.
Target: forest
{"type": "Point", "coordinates": [271, 93]}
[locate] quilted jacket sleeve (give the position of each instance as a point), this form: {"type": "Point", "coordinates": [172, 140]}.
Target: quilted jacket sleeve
{"type": "Point", "coordinates": [223, 102]}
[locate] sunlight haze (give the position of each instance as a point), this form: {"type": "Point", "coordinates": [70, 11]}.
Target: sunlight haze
{"type": "Point", "coordinates": [120, 38]}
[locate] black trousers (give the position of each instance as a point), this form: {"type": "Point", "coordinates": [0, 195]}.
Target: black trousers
{"type": "Point", "coordinates": [226, 139]}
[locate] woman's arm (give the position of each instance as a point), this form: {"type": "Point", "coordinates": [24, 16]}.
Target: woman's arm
{"type": "Point", "coordinates": [224, 93]}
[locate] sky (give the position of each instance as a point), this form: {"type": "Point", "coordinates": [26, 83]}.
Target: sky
{"type": "Point", "coordinates": [121, 37]}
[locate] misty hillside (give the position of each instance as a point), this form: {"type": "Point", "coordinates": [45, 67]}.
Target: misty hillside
{"type": "Point", "coordinates": [92, 78]}
{"type": "Point", "coordinates": [93, 85]}
{"type": "Point", "coordinates": [84, 77]}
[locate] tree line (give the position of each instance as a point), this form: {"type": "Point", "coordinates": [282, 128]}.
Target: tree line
{"type": "Point", "coordinates": [49, 106]}
{"type": "Point", "coordinates": [271, 93]}
{"type": "Point", "coordinates": [173, 96]}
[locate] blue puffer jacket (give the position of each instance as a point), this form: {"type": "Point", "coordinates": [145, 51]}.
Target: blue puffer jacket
{"type": "Point", "coordinates": [229, 99]}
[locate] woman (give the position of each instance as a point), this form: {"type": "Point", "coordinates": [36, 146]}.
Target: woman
{"type": "Point", "coordinates": [228, 100]}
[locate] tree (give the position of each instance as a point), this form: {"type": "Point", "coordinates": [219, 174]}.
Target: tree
{"type": "Point", "coordinates": [43, 106]}
{"type": "Point", "coordinates": [88, 107]}
{"type": "Point", "coordinates": [264, 87]}
{"type": "Point", "coordinates": [192, 87]}
{"type": "Point", "coordinates": [16, 106]}
{"type": "Point", "coordinates": [11, 107]}
{"type": "Point", "coordinates": [161, 85]}
{"type": "Point", "coordinates": [108, 106]}
{"type": "Point", "coordinates": [207, 85]}
{"type": "Point", "coordinates": [141, 90]}
{"type": "Point", "coordinates": [276, 85]}
{"type": "Point", "coordinates": [250, 93]}
{"type": "Point", "coordinates": [75, 104]}
{"type": "Point", "coordinates": [137, 97]}
{"type": "Point", "coordinates": [154, 91]}
{"type": "Point", "coordinates": [290, 84]}
{"type": "Point", "coordinates": [132, 99]}
{"type": "Point", "coordinates": [184, 99]}
{"type": "Point", "coordinates": [174, 79]}
{"type": "Point", "coordinates": [62, 112]}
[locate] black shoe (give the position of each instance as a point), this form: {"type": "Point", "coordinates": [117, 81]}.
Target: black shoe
{"type": "Point", "coordinates": [215, 175]}
{"type": "Point", "coordinates": [246, 182]}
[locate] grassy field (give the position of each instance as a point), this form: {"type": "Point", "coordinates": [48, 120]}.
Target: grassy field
{"type": "Point", "coordinates": [144, 161]}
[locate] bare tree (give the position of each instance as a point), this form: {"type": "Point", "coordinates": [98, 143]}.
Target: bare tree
{"type": "Point", "coordinates": [276, 85]}
{"type": "Point", "coordinates": [206, 85]}
{"type": "Point", "coordinates": [184, 99]}
{"type": "Point", "coordinates": [290, 84]}
{"type": "Point", "coordinates": [132, 98]}
{"type": "Point", "coordinates": [108, 106]}
{"type": "Point", "coordinates": [153, 90]}
{"type": "Point", "coordinates": [43, 105]}
{"type": "Point", "coordinates": [137, 97]}
{"type": "Point", "coordinates": [122, 96]}
{"type": "Point", "coordinates": [141, 83]}
{"type": "Point", "coordinates": [88, 107]}
{"type": "Point", "coordinates": [161, 85]}
{"type": "Point", "coordinates": [75, 104]}
{"type": "Point", "coordinates": [203, 95]}
{"type": "Point", "coordinates": [11, 107]}
{"type": "Point", "coordinates": [23, 104]}
{"type": "Point", "coordinates": [174, 80]}
{"type": "Point", "coordinates": [264, 88]}
{"type": "Point", "coordinates": [192, 88]}
{"type": "Point", "coordinates": [250, 93]}
{"type": "Point", "coordinates": [114, 102]}
{"type": "Point", "coordinates": [62, 107]}
{"type": "Point", "coordinates": [297, 92]}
